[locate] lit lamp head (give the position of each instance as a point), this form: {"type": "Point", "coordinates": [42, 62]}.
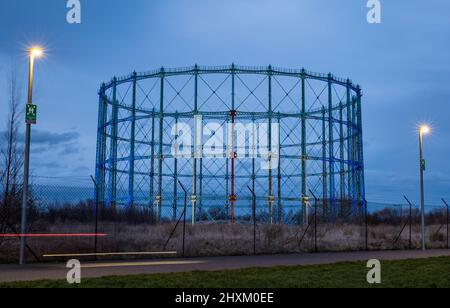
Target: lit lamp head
{"type": "Point", "coordinates": [36, 52]}
{"type": "Point", "coordinates": [425, 129]}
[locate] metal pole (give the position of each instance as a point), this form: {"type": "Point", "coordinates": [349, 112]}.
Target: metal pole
{"type": "Point", "coordinates": [270, 112]}
{"type": "Point", "coordinates": [159, 198]}
{"type": "Point", "coordinates": [410, 222]}
{"type": "Point", "coordinates": [324, 164]}
{"type": "Point", "coordinates": [280, 210]}
{"type": "Point", "coordinates": [254, 218]}
{"type": "Point", "coordinates": [353, 154]}
{"type": "Point", "coordinates": [184, 215]}
{"type": "Point", "coordinates": [331, 147]}
{"type": "Point", "coordinates": [315, 221]}
{"type": "Point", "coordinates": [96, 217]}
{"type": "Point", "coordinates": [446, 204]}
{"type": "Point", "coordinates": [233, 150]}
{"type": "Point", "coordinates": [422, 190]}
{"type": "Point", "coordinates": [132, 158]}
{"type": "Point", "coordinates": [366, 218]}
{"type": "Point", "coordinates": [194, 163]}
{"type": "Point", "coordinates": [152, 169]}
{"type": "Point", "coordinates": [349, 142]}
{"type": "Point", "coordinates": [410, 226]}
{"type": "Point", "coordinates": [233, 157]}
{"type": "Point", "coordinates": [360, 155]}
{"type": "Point", "coordinates": [175, 177]}
{"type": "Point", "coordinates": [315, 225]}
{"type": "Point", "coordinates": [254, 155]}
{"type": "Point", "coordinates": [342, 158]}
{"type": "Point", "coordinates": [113, 150]}
{"type": "Point", "coordinates": [101, 143]}
{"type": "Point", "coordinates": [26, 166]}
{"type": "Point", "coordinates": [200, 198]}
{"type": "Point", "coordinates": [227, 176]}
{"type": "Point", "coordinates": [304, 154]}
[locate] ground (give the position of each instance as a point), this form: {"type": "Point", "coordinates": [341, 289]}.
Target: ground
{"type": "Point", "coordinates": [419, 273]}
{"type": "Point", "coordinates": [399, 269]}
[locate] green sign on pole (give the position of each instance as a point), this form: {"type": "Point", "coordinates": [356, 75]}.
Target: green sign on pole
{"type": "Point", "coordinates": [31, 114]}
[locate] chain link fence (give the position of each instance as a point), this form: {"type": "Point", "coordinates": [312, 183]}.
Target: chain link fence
{"type": "Point", "coordinates": [132, 231]}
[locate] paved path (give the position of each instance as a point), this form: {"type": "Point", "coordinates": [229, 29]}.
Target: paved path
{"type": "Point", "coordinates": [10, 273]}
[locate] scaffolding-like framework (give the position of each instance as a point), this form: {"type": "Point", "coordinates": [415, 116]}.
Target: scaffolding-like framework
{"type": "Point", "coordinates": [320, 143]}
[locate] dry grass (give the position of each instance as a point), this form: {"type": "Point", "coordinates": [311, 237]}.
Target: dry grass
{"type": "Point", "coordinates": [218, 239]}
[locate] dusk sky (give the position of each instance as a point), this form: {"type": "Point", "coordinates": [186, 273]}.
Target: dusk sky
{"type": "Point", "coordinates": [402, 65]}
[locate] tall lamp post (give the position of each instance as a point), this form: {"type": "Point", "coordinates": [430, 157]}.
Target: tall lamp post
{"type": "Point", "coordinates": [423, 130]}
{"type": "Point", "coordinates": [34, 52]}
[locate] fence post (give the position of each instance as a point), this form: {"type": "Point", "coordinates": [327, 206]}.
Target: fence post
{"type": "Point", "coordinates": [446, 204]}
{"type": "Point", "coordinates": [184, 215]}
{"type": "Point", "coordinates": [315, 221]}
{"type": "Point", "coordinates": [315, 225]}
{"type": "Point", "coordinates": [410, 222]}
{"type": "Point", "coordinates": [96, 217]}
{"type": "Point", "coordinates": [366, 218]}
{"type": "Point", "coordinates": [254, 219]}
{"type": "Point", "coordinates": [19, 236]}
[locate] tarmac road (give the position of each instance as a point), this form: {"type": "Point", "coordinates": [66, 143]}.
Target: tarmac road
{"type": "Point", "coordinates": [11, 273]}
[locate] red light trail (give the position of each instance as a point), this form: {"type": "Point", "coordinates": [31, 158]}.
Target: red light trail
{"type": "Point", "coordinates": [53, 235]}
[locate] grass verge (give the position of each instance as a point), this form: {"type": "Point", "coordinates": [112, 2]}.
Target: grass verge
{"type": "Point", "coordinates": [422, 273]}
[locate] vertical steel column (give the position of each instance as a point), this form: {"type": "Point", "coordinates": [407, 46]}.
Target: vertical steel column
{"type": "Point", "coordinates": [159, 199]}
{"type": "Point", "coordinates": [152, 170]}
{"type": "Point", "coordinates": [98, 155]}
{"type": "Point", "coordinates": [324, 162]}
{"type": "Point", "coordinates": [233, 149]}
{"type": "Point", "coordinates": [132, 145]}
{"type": "Point", "coordinates": [233, 157]}
{"type": "Point", "coordinates": [227, 173]}
{"type": "Point", "coordinates": [354, 153]}
{"type": "Point", "coordinates": [175, 174]}
{"type": "Point", "coordinates": [341, 158]}
{"type": "Point", "coordinates": [200, 178]}
{"type": "Point", "coordinates": [254, 155]}
{"type": "Point", "coordinates": [280, 210]}
{"type": "Point", "coordinates": [448, 215]}
{"type": "Point", "coordinates": [271, 197]}
{"type": "Point", "coordinates": [113, 149]}
{"type": "Point", "coordinates": [101, 146]}
{"type": "Point", "coordinates": [361, 184]}
{"type": "Point", "coordinates": [194, 171]}
{"type": "Point", "coordinates": [304, 155]}
{"type": "Point", "coordinates": [331, 144]}
{"type": "Point", "coordinates": [349, 141]}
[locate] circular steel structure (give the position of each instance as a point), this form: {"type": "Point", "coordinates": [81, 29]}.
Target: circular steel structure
{"type": "Point", "coordinates": [307, 126]}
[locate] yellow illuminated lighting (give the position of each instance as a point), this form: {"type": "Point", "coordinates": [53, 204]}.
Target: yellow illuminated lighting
{"type": "Point", "coordinates": [109, 254]}
{"type": "Point", "coordinates": [134, 264]}
{"type": "Point", "coordinates": [36, 52]}
{"type": "Point", "coordinates": [425, 129]}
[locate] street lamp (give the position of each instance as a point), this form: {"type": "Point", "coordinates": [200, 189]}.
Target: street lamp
{"type": "Point", "coordinates": [423, 130]}
{"type": "Point", "coordinates": [34, 52]}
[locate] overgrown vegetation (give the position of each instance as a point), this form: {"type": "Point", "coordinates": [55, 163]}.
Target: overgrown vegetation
{"type": "Point", "coordinates": [10, 160]}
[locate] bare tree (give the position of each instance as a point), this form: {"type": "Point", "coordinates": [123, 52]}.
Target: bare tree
{"type": "Point", "coordinates": [11, 157]}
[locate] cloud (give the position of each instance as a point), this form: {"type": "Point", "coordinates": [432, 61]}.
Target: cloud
{"type": "Point", "coordinates": [40, 137]}
{"type": "Point", "coordinates": [50, 138]}
{"type": "Point", "coordinates": [70, 149]}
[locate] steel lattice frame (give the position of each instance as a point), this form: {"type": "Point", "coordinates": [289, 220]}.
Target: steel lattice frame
{"type": "Point", "coordinates": [321, 144]}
